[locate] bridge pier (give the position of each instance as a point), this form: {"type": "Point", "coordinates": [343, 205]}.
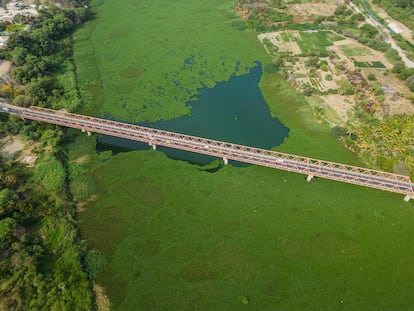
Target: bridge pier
{"type": "Point", "coordinates": [407, 198]}
{"type": "Point", "coordinates": [89, 133]}
{"type": "Point", "coordinates": [226, 161]}
{"type": "Point", "coordinates": [309, 178]}
{"type": "Point", "coordinates": [154, 147]}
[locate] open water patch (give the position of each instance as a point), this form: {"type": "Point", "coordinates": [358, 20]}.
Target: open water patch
{"type": "Point", "coordinates": [233, 111]}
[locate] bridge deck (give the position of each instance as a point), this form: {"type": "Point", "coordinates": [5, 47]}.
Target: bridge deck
{"type": "Point", "coordinates": [294, 163]}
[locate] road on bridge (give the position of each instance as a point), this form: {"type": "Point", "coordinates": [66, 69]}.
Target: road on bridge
{"type": "Point", "coordinates": [227, 151]}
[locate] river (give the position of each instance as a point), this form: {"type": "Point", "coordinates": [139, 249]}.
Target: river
{"type": "Point", "coordinates": [233, 111]}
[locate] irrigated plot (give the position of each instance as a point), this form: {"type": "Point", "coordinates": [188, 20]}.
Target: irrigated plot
{"type": "Point", "coordinates": [373, 64]}
{"type": "Point", "coordinates": [315, 42]}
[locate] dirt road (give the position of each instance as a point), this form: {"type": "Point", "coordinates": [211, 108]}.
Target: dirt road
{"type": "Point", "coordinates": [385, 34]}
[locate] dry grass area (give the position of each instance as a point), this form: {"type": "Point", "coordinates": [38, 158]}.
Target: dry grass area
{"type": "Point", "coordinates": [395, 101]}
{"type": "Point", "coordinates": [276, 39]}
{"type": "Point", "coordinates": [341, 104]}
{"type": "Point", "coordinates": [305, 12]}
{"type": "Point", "coordinates": [102, 300]}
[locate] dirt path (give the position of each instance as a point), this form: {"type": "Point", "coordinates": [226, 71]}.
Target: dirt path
{"type": "Point", "coordinates": [386, 35]}
{"type": "Point", "coordinates": [4, 68]}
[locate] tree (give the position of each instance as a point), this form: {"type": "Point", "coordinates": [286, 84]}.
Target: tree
{"type": "Point", "coordinates": [7, 227]}
{"type": "Point", "coordinates": [8, 201]}
{"type": "Point", "coordinates": [94, 261]}
{"type": "Point", "coordinates": [345, 87]}
{"type": "Point", "coordinates": [18, 55]}
{"type": "Point", "coordinates": [51, 174]}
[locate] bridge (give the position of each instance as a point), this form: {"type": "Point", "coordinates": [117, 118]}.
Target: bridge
{"type": "Point", "coordinates": [227, 151]}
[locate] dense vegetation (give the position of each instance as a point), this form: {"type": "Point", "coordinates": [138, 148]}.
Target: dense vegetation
{"type": "Point", "coordinates": [40, 262]}
{"type": "Point", "coordinates": [43, 263]}
{"type": "Point", "coordinates": [41, 57]}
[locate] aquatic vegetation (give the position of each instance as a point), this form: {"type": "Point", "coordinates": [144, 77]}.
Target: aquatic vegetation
{"type": "Point", "coordinates": [148, 60]}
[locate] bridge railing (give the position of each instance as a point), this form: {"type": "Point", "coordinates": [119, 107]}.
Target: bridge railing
{"type": "Point", "coordinates": [295, 163]}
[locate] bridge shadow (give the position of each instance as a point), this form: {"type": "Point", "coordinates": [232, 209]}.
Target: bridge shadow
{"type": "Point", "coordinates": [118, 145]}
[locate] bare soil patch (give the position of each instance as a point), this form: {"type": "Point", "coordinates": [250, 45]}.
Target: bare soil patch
{"type": "Point", "coordinates": [305, 12]}
{"type": "Point", "coordinates": [276, 39]}
{"type": "Point", "coordinates": [10, 147]}
{"type": "Point", "coordinates": [341, 104]}
{"type": "Point", "coordinates": [102, 300]}
{"type": "Point", "coordinates": [4, 68]}
{"type": "Point", "coordinates": [13, 148]}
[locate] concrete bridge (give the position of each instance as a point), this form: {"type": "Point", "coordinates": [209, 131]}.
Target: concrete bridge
{"type": "Point", "coordinates": [227, 151]}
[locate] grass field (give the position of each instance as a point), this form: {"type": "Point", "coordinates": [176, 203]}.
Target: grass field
{"type": "Point", "coordinates": [251, 238]}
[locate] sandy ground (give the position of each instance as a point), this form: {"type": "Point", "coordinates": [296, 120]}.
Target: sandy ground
{"type": "Point", "coordinates": [4, 68]}
{"type": "Point", "coordinates": [10, 147]}
{"type": "Point", "coordinates": [102, 300]}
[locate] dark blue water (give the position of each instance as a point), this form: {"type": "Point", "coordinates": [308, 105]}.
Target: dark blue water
{"type": "Point", "coordinates": [233, 111]}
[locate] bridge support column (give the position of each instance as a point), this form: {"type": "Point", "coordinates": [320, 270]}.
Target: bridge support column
{"type": "Point", "coordinates": [89, 133]}
{"type": "Point", "coordinates": [407, 198]}
{"type": "Point", "coordinates": [154, 147]}
{"type": "Point", "coordinates": [83, 130]}
{"type": "Point", "coordinates": [309, 178]}
{"type": "Point", "coordinates": [226, 161]}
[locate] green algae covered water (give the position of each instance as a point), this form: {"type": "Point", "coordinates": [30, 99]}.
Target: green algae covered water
{"type": "Point", "coordinates": [251, 237]}
{"type": "Point", "coordinates": [232, 111]}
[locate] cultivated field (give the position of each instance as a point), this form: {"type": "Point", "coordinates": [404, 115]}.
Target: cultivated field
{"type": "Point", "coordinates": [355, 61]}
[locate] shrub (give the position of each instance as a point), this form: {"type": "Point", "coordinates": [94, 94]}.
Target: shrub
{"type": "Point", "coordinates": [94, 261]}
{"type": "Point", "coordinates": [51, 174]}
{"type": "Point", "coordinates": [328, 77]}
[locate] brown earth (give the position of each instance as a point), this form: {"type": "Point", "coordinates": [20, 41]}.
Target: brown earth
{"type": "Point", "coordinates": [305, 12]}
